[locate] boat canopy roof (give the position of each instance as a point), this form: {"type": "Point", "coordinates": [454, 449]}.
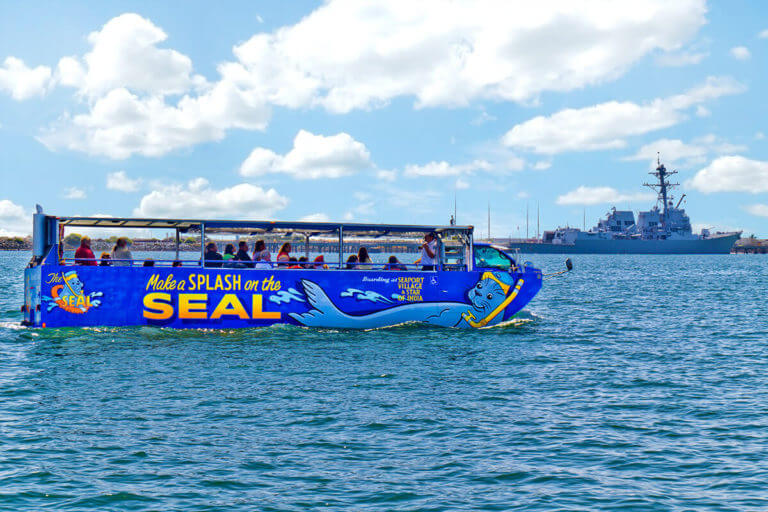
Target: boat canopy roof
{"type": "Point", "coordinates": [261, 227]}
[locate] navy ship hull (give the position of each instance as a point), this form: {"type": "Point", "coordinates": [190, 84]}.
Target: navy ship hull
{"type": "Point", "coordinates": [713, 245]}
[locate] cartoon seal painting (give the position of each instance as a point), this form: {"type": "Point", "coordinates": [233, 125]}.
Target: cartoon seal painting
{"type": "Point", "coordinates": [487, 301]}
{"type": "Point", "coordinates": [70, 297]}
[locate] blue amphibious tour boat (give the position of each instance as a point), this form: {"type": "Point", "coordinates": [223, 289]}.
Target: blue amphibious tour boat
{"type": "Point", "coordinates": [470, 286]}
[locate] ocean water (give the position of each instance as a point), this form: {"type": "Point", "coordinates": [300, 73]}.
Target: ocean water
{"type": "Point", "coordinates": [632, 383]}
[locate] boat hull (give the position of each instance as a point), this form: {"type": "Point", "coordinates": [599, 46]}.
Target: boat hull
{"type": "Point", "coordinates": [714, 245]}
{"type": "Point", "coordinates": [225, 298]}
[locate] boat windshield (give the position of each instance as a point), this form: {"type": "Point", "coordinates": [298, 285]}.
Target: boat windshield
{"type": "Point", "coordinates": [490, 257]}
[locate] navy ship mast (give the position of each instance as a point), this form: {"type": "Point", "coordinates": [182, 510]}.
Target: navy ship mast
{"type": "Point", "coordinates": [661, 188]}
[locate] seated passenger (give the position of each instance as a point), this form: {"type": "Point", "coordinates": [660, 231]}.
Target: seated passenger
{"type": "Point", "coordinates": [258, 249]}
{"type": "Point", "coordinates": [105, 260]}
{"type": "Point", "coordinates": [364, 261]}
{"type": "Point", "coordinates": [229, 257]}
{"type": "Point", "coordinates": [176, 263]}
{"type": "Point", "coordinates": [212, 256]}
{"type": "Point", "coordinates": [242, 254]}
{"type": "Point", "coordinates": [284, 254]}
{"type": "Point", "coordinates": [229, 252]}
{"type": "Point", "coordinates": [428, 252]}
{"type": "Point", "coordinates": [261, 256]}
{"type": "Point", "coordinates": [352, 262]}
{"type": "Point", "coordinates": [149, 262]}
{"type": "Point", "coordinates": [394, 264]}
{"type": "Point", "coordinates": [121, 252]}
{"type": "Point", "coordinates": [293, 263]}
{"type": "Point", "coordinates": [303, 262]}
{"type": "Point", "coordinates": [84, 254]}
{"type": "Point", "coordinates": [320, 263]}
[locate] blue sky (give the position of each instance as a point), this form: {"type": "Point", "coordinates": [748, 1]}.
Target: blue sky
{"type": "Point", "coordinates": [383, 111]}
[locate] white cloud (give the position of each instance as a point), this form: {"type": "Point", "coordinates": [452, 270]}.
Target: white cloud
{"type": "Point", "coordinates": [680, 59]}
{"type": "Point", "coordinates": [483, 118]}
{"type": "Point", "coordinates": [740, 53]}
{"type": "Point", "coordinates": [198, 199]}
{"type": "Point", "coordinates": [606, 125]}
{"type": "Point", "coordinates": [443, 168]}
{"type": "Point", "coordinates": [759, 136]}
{"type": "Point", "coordinates": [763, 34]}
{"type": "Point", "coordinates": [542, 165]}
{"type": "Point", "coordinates": [451, 53]}
{"type": "Point", "coordinates": [702, 111]}
{"type": "Point", "coordinates": [364, 207]}
{"type": "Point", "coordinates": [732, 174]}
{"type": "Point", "coordinates": [588, 196]}
{"type": "Point", "coordinates": [315, 217]}
{"type": "Point", "coordinates": [119, 180]}
{"type": "Point", "coordinates": [121, 124]}
{"type": "Point", "coordinates": [14, 221]}
{"type": "Point", "coordinates": [124, 55]}
{"type": "Point", "coordinates": [760, 210]}
{"type": "Point", "coordinates": [386, 175]}
{"type": "Point", "coordinates": [515, 163]}
{"type": "Point", "coordinates": [144, 99]}
{"type": "Point", "coordinates": [74, 193]}
{"type": "Point", "coordinates": [23, 82]}
{"type": "Point", "coordinates": [410, 200]}
{"type": "Point", "coordinates": [675, 152]}
{"type": "Point", "coordinates": [312, 157]}
{"type": "Point", "coordinates": [126, 79]}
{"type": "Point", "coordinates": [461, 184]}
{"type": "Point", "coordinates": [717, 144]}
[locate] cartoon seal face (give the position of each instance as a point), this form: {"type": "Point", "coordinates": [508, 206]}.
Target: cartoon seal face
{"type": "Point", "coordinates": [74, 286]}
{"type": "Point", "coordinates": [489, 292]}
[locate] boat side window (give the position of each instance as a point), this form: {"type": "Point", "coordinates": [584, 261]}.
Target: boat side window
{"type": "Point", "coordinates": [489, 257]}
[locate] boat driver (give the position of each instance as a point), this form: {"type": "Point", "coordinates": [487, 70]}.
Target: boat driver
{"type": "Point", "coordinates": [428, 252]}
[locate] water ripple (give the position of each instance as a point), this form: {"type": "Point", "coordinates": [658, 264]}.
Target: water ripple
{"type": "Point", "coordinates": [634, 383]}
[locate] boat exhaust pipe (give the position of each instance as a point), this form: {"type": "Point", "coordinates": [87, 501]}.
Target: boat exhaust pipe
{"type": "Point", "coordinates": [45, 231]}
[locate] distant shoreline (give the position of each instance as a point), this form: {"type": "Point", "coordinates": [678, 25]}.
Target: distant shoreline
{"type": "Point", "coordinates": [18, 244]}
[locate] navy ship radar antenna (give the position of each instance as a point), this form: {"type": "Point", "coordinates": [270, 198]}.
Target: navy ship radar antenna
{"type": "Point", "coordinates": [662, 186]}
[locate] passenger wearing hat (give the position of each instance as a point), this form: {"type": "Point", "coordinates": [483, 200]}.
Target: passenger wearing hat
{"type": "Point", "coordinates": [320, 262]}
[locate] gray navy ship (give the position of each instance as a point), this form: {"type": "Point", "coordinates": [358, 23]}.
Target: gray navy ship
{"type": "Point", "coordinates": [665, 230]}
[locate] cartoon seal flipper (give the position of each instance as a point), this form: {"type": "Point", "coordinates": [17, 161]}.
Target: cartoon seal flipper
{"type": "Point", "coordinates": [326, 314]}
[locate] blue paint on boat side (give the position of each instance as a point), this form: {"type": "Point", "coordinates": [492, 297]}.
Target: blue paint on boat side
{"type": "Point", "coordinates": [368, 295]}
{"type": "Point", "coordinates": [286, 296]}
{"type": "Point", "coordinates": [231, 298]}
